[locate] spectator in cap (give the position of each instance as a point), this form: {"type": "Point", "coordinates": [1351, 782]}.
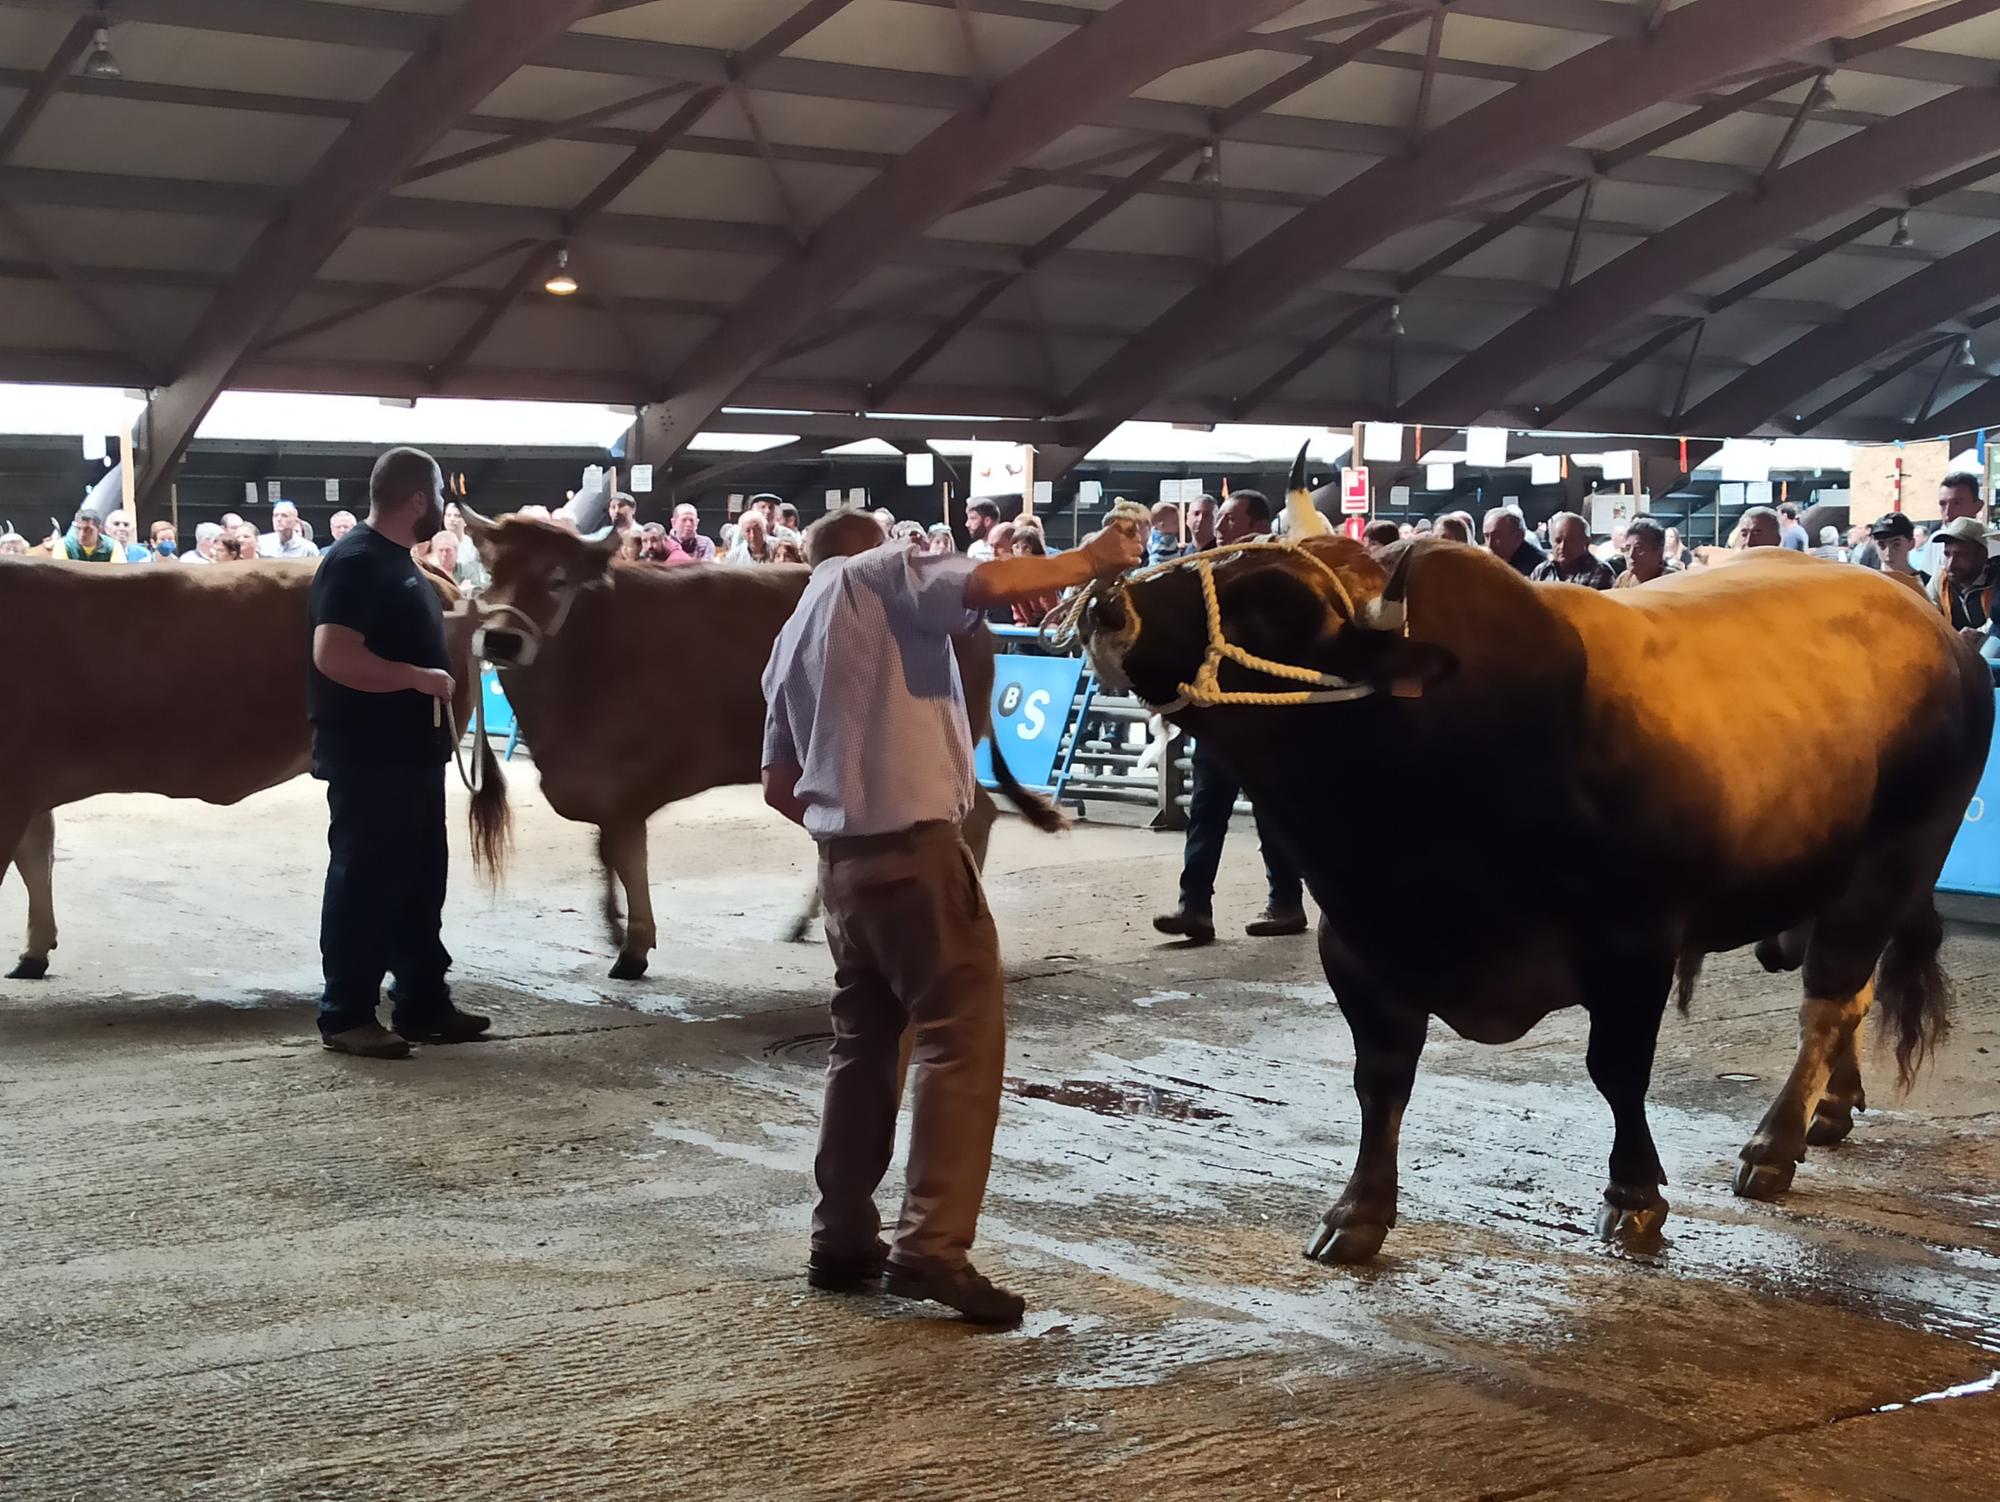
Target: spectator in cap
{"type": "Point", "coordinates": [1893, 537]}
{"type": "Point", "coordinates": [624, 513]}
{"type": "Point", "coordinates": [1959, 588]}
{"type": "Point", "coordinates": [940, 539]}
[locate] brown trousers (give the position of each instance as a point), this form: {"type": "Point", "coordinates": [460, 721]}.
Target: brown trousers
{"type": "Point", "coordinates": [916, 979]}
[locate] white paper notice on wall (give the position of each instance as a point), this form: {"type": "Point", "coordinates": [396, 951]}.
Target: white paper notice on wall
{"type": "Point", "coordinates": [1381, 443]}
{"type": "Point", "coordinates": [1728, 495]}
{"type": "Point", "coordinates": [1545, 469]}
{"type": "Point", "coordinates": [858, 496]}
{"type": "Point", "coordinates": [642, 479]}
{"type": "Point", "coordinates": [1439, 477]}
{"type": "Point", "coordinates": [1611, 508]}
{"type": "Point", "coordinates": [1045, 492]}
{"type": "Point", "coordinates": [1399, 497]}
{"type": "Point", "coordinates": [249, 492]}
{"type": "Point", "coordinates": [920, 469]}
{"type": "Point", "coordinates": [1486, 447]}
{"type": "Point", "coordinates": [333, 492]}
{"type": "Point", "coordinates": [274, 489]}
{"type": "Point", "coordinates": [1089, 492]}
{"type": "Point", "coordinates": [1760, 493]}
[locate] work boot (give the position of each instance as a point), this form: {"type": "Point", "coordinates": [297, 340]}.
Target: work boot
{"type": "Point", "coordinates": [847, 1272]}
{"type": "Point", "coordinates": [961, 1288]}
{"type": "Point", "coordinates": [1276, 922]}
{"type": "Point", "coordinates": [370, 1040]}
{"type": "Point", "coordinates": [449, 1026]}
{"type": "Point", "coordinates": [1184, 923]}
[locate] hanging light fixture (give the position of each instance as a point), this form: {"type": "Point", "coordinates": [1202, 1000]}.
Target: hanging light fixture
{"type": "Point", "coordinates": [1965, 355]}
{"type": "Point", "coordinates": [1396, 329]}
{"type": "Point", "coordinates": [1208, 167]}
{"type": "Point", "coordinates": [1902, 239]}
{"type": "Point", "coordinates": [560, 282]}
{"type": "Point", "coordinates": [98, 62]}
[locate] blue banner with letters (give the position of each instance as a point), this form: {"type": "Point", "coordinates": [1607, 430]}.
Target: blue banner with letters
{"type": "Point", "coordinates": [1974, 863]}
{"type": "Point", "coordinates": [1031, 703]}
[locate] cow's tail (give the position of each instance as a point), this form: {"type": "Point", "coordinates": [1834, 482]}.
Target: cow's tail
{"type": "Point", "coordinates": [614, 906]}
{"type": "Point", "coordinates": [490, 817]}
{"type": "Point", "coordinates": [1912, 989]}
{"type": "Point", "coordinates": [1686, 973]}
{"type": "Point", "coordinates": [1033, 807]}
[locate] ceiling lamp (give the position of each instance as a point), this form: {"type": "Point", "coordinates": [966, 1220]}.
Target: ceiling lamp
{"type": "Point", "coordinates": [1396, 329]}
{"type": "Point", "coordinates": [560, 282]}
{"type": "Point", "coordinates": [1965, 355]}
{"type": "Point", "coordinates": [98, 62]}
{"type": "Point", "coordinates": [1902, 239]}
{"type": "Point", "coordinates": [1208, 169]}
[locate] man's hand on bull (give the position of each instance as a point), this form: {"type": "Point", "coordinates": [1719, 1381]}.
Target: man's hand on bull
{"type": "Point", "coordinates": [1027, 576]}
{"type": "Point", "coordinates": [1115, 550]}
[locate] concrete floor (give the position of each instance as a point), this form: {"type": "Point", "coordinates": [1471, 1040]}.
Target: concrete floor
{"type": "Point", "coordinates": [566, 1263]}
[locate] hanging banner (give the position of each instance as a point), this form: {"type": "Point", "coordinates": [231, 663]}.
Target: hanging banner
{"type": "Point", "coordinates": [1486, 448]}
{"type": "Point", "coordinates": [1439, 477]}
{"type": "Point", "coordinates": [1545, 469]}
{"type": "Point", "coordinates": [920, 470]}
{"type": "Point", "coordinates": [1003, 469]}
{"type": "Point", "coordinates": [1382, 443]}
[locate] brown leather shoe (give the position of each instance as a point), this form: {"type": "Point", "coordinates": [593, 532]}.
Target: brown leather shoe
{"type": "Point", "coordinates": [1272, 924]}
{"type": "Point", "coordinates": [961, 1288]}
{"type": "Point", "coordinates": [370, 1040]}
{"type": "Point", "coordinates": [1196, 928]}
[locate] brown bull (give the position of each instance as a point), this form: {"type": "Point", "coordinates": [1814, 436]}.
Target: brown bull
{"type": "Point", "coordinates": [615, 746]}
{"type": "Point", "coordinates": [72, 736]}
{"type": "Point", "coordinates": [1779, 752]}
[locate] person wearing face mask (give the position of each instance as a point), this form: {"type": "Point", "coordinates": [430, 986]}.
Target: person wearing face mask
{"type": "Point", "coordinates": [379, 698]}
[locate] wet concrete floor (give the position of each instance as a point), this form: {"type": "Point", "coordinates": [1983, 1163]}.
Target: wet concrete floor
{"type": "Point", "coordinates": [566, 1263]}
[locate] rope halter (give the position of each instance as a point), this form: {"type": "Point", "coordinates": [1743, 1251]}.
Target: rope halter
{"type": "Point", "coordinates": [1205, 690]}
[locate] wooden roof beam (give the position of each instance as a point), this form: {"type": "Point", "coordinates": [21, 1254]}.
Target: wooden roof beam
{"type": "Point", "coordinates": [470, 54]}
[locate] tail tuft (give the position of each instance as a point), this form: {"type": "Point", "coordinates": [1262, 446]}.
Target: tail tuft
{"type": "Point", "coordinates": [490, 818]}
{"type": "Point", "coordinates": [1686, 973]}
{"type": "Point", "coordinates": [1033, 807]}
{"type": "Point", "coordinates": [1913, 991]}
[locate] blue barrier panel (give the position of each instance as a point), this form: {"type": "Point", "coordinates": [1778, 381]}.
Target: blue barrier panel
{"type": "Point", "coordinates": [1031, 703]}
{"type": "Point", "coordinates": [499, 713]}
{"type": "Point", "coordinates": [1974, 863]}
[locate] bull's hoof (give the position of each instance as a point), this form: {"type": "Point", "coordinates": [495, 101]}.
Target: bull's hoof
{"type": "Point", "coordinates": [30, 967]}
{"type": "Point", "coordinates": [629, 967]}
{"type": "Point", "coordinates": [1346, 1245]}
{"type": "Point", "coordinates": [1635, 1230]}
{"type": "Point", "coordinates": [1763, 1181]}
{"type": "Point", "coordinates": [1830, 1124]}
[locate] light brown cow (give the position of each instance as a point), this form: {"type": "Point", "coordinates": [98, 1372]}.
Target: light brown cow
{"type": "Point", "coordinates": [68, 736]}
{"type": "Point", "coordinates": [614, 744]}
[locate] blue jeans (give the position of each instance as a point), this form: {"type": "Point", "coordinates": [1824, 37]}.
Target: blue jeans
{"type": "Point", "coordinates": [1209, 808]}
{"type": "Point", "coordinates": [387, 864]}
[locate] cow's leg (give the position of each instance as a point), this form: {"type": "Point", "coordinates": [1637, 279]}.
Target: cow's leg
{"type": "Point", "coordinates": [623, 847]}
{"type": "Point", "coordinates": [1833, 1117]}
{"type": "Point", "coordinates": [1388, 1040]}
{"type": "Point", "coordinates": [1623, 1035]}
{"type": "Point", "coordinates": [35, 859]}
{"type": "Point", "coordinates": [1828, 1026]}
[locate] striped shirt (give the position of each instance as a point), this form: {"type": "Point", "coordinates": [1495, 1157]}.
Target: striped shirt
{"type": "Point", "coordinates": [863, 694]}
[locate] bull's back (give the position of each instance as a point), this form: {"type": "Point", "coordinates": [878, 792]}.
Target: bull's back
{"type": "Point", "coordinates": [169, 679]}
{"type": "Point", "coordinates": [1770, 704]}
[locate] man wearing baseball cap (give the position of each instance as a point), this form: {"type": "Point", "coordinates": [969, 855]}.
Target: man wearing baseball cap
{"type": "Point", "coordinates": [1893, 535]}
{"type": "Point", "coordinates": [1960, 586]}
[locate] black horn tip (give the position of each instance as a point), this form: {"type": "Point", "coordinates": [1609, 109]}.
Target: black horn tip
{"type": "Point", "coordinates": [1299, 467]}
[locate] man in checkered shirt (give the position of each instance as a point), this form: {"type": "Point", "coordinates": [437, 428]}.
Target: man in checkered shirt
{"type": "Point", "coordinates": [866, 746]}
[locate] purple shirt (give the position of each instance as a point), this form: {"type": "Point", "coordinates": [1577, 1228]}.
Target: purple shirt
{"type": "Point", "coordinates": [864, 698]}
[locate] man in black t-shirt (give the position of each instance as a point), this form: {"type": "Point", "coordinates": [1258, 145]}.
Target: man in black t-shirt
{"type": "Point", "coordinates": [379, 697]}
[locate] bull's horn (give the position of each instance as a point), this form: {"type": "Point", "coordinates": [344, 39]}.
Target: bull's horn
{"type": "Point", "coordinates": [598, 536]}
{"type": "Point", "coordinates": [1389, 611]}
{"type": "Point", "coordinates": [474, 520]}
{"type": "Point", "coordinates": [1298, 480]}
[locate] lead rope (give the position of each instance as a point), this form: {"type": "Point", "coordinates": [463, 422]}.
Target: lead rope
{"type": "Point", "coordinates": [1059, 632]}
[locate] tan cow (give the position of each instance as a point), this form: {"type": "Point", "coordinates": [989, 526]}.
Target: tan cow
{"type": "Point", "coordinates": [614, 743]}
{"type": "Point", "coordinates": [68, 736]}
